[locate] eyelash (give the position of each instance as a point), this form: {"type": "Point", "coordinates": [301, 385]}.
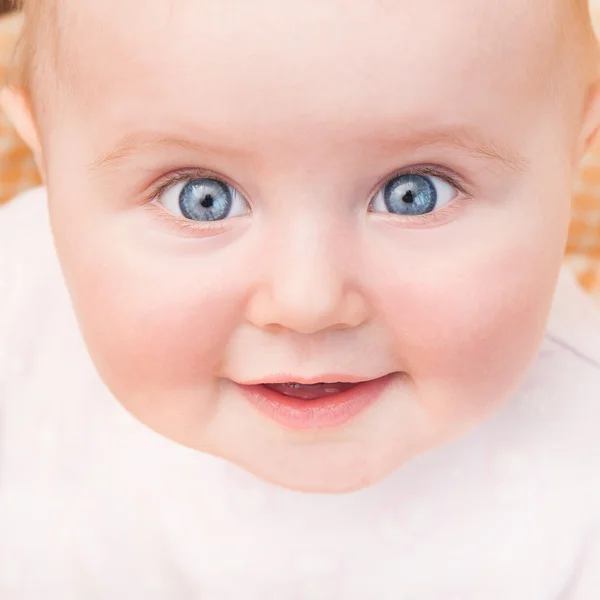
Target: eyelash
{"type": "Point", "coordinates": [187, 226]}
{"type": "Point", "coordinates": [434, 217]}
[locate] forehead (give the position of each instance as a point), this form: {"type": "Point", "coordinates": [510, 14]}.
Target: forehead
{"type": "Point", "coordinates": [328, 62]}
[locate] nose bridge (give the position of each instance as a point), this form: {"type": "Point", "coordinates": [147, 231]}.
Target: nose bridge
{"type": "Point", "coordinates": [307, 285]}
{"type": "Point", "coordinates": [306, 274]}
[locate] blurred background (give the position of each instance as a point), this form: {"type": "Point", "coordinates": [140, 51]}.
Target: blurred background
{"type": "Point", "coordinates": [18, 172]}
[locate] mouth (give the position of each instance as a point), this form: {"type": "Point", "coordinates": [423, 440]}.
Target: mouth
{"type": "Point", "coordinates": [315, 405]}
{"type": "Point", "coordinates": [310, 391]}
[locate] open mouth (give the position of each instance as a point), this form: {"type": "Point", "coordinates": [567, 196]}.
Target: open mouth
{"type": "Point", "coordinates": [315, 405]}
{"type": "Point", "coordinates": [310, 391]}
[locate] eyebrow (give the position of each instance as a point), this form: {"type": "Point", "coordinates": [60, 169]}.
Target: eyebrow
{"type": "Point", "coordinates": [135, 143]}
{"type": "Point", "coordinates": [459, 137]}
{"type": "Point", "coordinates": [469, 140]}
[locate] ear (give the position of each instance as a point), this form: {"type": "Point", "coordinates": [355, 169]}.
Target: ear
{"type": "Point", "coordinates": [16, 104]}
{"type": "Point", "coordinates": [591, 121]}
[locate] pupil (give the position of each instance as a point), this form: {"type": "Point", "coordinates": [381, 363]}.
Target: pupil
{"type": "Point", "coordinates": [208, 201]}
{"type": "Point", "coordinates": [409, 197]}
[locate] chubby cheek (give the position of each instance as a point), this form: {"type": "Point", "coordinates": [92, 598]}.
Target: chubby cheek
{"type": "Point", "coordinates": [154, 321]}
{"type": "Point", "coordinates": [468, 322]}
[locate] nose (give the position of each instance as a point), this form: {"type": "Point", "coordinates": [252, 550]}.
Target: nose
{"type": "Point", "coordinates": [306, 285]}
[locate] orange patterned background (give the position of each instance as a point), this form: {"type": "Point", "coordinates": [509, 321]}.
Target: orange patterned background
{"type": "Point", "coordinates": [17, 168]}
{"type": "Point", "coordinates": [18, 172]}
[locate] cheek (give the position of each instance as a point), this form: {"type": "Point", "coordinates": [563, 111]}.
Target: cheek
{"type": "Point", "coordinates": [469, 316]}
{"type": "Point", "coordinates": [151, 322]}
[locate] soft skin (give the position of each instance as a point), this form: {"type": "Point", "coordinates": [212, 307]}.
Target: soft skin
{"type": "Point", "coordinates": [307, 109]}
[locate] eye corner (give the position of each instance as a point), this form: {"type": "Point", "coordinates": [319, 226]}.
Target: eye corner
{"type": "Point", "coordinates": [439, 187]}
{"type": "Point", "coordinates": [221, 197]}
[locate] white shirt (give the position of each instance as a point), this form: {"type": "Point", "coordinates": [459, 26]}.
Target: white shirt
{"type": "Point", "coordinates": [95, 506]}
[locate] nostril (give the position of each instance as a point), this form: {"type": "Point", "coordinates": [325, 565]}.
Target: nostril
{"type": "Point", "coordinates": [309, 311]}
{"type": "Point", "coordinates": [274, 328]}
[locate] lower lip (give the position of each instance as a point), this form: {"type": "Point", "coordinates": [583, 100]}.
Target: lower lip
{"type": "Point", "coordinates": [324, 413]}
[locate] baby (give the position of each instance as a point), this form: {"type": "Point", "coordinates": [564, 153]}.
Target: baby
{"type": "Point", "coordinates": [288, 319]}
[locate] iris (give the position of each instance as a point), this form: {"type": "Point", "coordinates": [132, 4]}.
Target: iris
{"type": "Point", "coordinates": [205, 200]}
{"type": "Point", "coordinates": [410, 195]}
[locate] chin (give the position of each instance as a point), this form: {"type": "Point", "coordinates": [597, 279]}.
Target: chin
{"type": "Point", "coordinates": [319, 483]}
{"type": "Point", "coordinates": [309, 470]}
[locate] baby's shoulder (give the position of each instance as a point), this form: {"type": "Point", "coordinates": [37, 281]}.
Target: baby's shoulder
{"type": "Point", "coordinates": [574, 321]}
{"type": "Point", "coordinates": [553, 423]}
{"type": "Point", "coordinates": [30, 277]}
{"type": "Point", "coordinates": [568, 366]}
{"type": "Point", "coordinates": [29, 206]}
{"type": "Point", "coordinates": [25, 239]}
{"type": "Point", "coordinates": [27, 256]}
{"type": "Point", "coordinates": [565, 379]}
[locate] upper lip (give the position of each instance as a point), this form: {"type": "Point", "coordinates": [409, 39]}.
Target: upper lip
{"type": "Point", "coordinates": [326, 378]}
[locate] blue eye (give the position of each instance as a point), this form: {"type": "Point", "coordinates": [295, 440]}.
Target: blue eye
{"type": "Point", "coordinates": [410, 195]}
{"type": "Point", "coordinates": [204, 199]}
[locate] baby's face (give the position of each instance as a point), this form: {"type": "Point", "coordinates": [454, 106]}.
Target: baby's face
{"type": "Point", "coordinates": [320, 191]}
